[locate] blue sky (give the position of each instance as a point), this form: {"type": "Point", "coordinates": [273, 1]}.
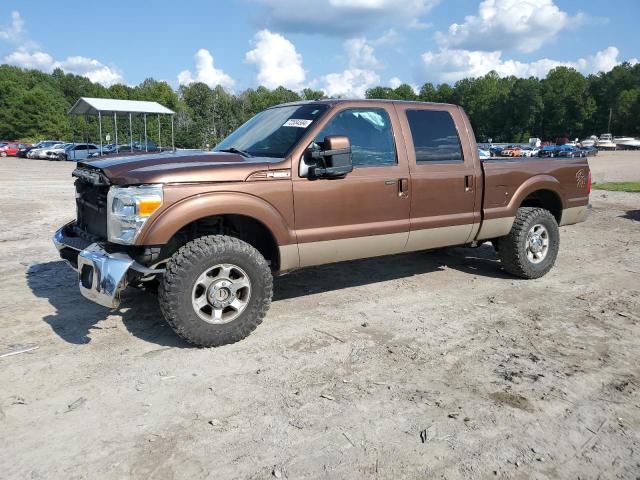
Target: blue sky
{"type": "Point", "coordinates": [341, 46]}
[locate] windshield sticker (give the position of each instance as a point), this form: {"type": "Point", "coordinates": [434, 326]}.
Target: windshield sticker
{"type": "Point", "coordinates": [297, 122]}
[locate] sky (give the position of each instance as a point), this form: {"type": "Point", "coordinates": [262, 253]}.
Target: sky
{"type": "Point", "coordinates": [340, 46]}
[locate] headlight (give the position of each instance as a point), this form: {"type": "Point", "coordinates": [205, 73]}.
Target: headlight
{"type": "Point", "coordinates": [129, 208]}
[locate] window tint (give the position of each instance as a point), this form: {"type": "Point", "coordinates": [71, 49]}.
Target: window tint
{"type": "Point", "coordinates": [369, 130]}
{"type": "Point", "coordinates": [435, 138]}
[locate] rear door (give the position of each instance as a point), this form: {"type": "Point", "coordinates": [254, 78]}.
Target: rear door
{"type": "Point", "coordinates": [445, 175]}
{"type": "Point", "coordinates": [366, 213]}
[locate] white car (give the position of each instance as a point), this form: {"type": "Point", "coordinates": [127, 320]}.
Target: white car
{"type": "Point", "coordinates": [77, 151]}
{"type": "Point", "coordinates": [529, 152]}
{"type": "Point", "coordinates": [41, 147]}
{"type": "Point", "coordinates": [41, 153]}
{"type": "Point", "coordinates": [55, 152]}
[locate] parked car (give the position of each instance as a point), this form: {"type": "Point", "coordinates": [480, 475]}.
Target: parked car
{"type": "Point", "coordinates": [589, 151]}
{"type": "Point", "coordinates": [150, 147]}
{"type": "Point", "coordinates": [483, 154]}
{"type": "Point", "coordinates": [511, 151]}
{"type": "Point", "coordinates": [76, 151]}
{"type": "Point", "coordinates": [549, 151]}
{"type": "Point", "coordinates": [529, 151]}
{"type": "Point", "coordinates": [41, 147]}
{"type": "Point", "coordinates": [571, 151]}
{"type": "Point", "coordinates": [495, 150]}
{"type": "Point", "coordinates": [306, 184]}
{"type": "Point", "coordinates": [57, 151]}
{"type": "Point", "coordinates": [11, 149]}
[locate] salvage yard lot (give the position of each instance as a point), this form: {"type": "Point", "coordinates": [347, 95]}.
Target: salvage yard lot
{"type": "Point", "coordinates": [431, 364]}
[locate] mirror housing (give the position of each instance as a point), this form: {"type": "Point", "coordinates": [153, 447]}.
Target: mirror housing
{"type": "Point", "coordinates": [334, 160]}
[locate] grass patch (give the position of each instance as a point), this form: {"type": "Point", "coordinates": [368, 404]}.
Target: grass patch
{"type": "Point", "coordinates": [618, 186]}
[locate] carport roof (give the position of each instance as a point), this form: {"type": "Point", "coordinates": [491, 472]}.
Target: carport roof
{"type": "Point", "coordinates": [93, 106]}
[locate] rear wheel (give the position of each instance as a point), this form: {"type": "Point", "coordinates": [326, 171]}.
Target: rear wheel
{"type": "Point", "coordinates": [531, 247]}
{"type": "Point", "coordinates": [216, 290]}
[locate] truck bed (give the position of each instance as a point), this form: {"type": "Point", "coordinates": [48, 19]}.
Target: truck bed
{"type": "Point", "coordinates": [507, 181]}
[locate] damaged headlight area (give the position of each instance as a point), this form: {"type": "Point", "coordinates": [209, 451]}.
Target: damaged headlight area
{"type": "Point", "coordinates": [129, 208]}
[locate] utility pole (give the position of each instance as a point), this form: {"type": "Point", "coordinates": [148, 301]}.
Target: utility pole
{"type": "Point", "coordinates": [610, 114]}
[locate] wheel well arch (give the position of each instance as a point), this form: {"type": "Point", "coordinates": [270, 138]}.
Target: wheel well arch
{"type": "Point", "coordinates": [547, 199]}
{"type": "Point", "coordinates": [243, 227]}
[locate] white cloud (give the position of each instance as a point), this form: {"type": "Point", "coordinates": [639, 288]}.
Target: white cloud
{"type": "Point", "coordinates": [395, 82]}
{"type": "Point", "coordinates": [277, 61]}
{"type": "Point", "coordinates": [35, 60]}
{"type": "Point", "coordinates": [206, 72]}
{"type": "Point", "coordinates": [93, 69]}
{"type": "Point", "coordinates": [361, 54]}
{"type": "Point", "coordinates": [352, 83]}
{"type": "Point", "coordinates": [13, 32]}
{"type": "Point", "coordinates": [343, 17]}
{"type": "Point", "coordinates": [523, 25]}
{"type": "Point", "coordinates": [452, 65]}
{"type": "Point", "coordinates": [28, 55]}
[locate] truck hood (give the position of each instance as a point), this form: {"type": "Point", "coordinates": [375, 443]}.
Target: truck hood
{"type": "Point", "coordinates": [178, 167]}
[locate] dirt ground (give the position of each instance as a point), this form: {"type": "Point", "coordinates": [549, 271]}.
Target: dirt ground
{"type": "Point", "coordinates": [426, 365]}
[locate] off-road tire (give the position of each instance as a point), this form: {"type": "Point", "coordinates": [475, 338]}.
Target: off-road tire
{"type": "Point", "coordinates": [512, 248]}
{"type": "Point", "coordinates": [182, 270]}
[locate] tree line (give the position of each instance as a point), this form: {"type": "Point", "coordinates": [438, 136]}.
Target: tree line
{"type": "Point", "coordinates": [34, 105]}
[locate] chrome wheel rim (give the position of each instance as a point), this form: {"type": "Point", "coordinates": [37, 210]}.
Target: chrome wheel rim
{"type": "Point", "coordinates": [221, 293]}
{"type": "Point", "coordinates": [537, 243]}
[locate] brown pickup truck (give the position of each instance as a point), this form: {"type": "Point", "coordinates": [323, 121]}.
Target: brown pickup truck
{"type": "Point", "coordinates": [305, 184]}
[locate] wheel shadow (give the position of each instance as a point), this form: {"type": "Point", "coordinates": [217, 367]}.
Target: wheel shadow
{"type": "Point", "coordinates": [336, 276]}
{"type": "Point", "coordinates": [75, 316]}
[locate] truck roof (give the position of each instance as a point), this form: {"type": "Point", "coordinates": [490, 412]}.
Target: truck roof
{"type": "Point", "coordinates": [334, 101]}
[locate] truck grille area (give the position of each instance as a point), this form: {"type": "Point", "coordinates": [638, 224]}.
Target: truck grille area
{"type": "Point", "coordinates": [91, 208]}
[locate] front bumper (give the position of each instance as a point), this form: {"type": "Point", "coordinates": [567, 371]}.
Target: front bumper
{"type": "Point", "coordinates": [102, 276]}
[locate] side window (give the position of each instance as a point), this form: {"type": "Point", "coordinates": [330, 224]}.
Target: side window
{"type": "Point", "coordinates": [435, 138]}
{"type": "Point", "coordinates": [369, 130]}
{"type": "Point", "coordinates": [80, 147]}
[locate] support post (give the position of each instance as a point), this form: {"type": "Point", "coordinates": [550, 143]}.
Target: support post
{"type": "Point", "coordinates": [159, 135]}
{"type": "Point", "coordinates": [100, 130]}
{"type": "Point", "coordinates": [146, 142]}
{"type": "Point", "coordinates": [173, 140]}
{"type": "Point", "coordinates": [115, 127]}
{"type": "Point", "coordinates": [130, 134]}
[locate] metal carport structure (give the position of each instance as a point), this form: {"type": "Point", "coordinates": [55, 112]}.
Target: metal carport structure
{"type": "Point", "coordinates": [108, 106]}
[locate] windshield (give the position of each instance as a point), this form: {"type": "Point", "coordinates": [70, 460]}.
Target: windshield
{"type": "Point", "coordinates": [274, 132]}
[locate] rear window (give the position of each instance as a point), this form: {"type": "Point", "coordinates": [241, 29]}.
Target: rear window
{"type": "Point", "coordinates": [435, 138]}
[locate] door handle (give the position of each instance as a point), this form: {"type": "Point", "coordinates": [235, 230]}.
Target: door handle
{"type": "Point", "coordinates": [468, 183]}
{"type": "Point", "coordinates": [403, 187]}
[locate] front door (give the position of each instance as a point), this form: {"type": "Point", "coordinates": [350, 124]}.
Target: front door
{"type": "Point", "coordinates": [366, 213]}
{"type": "Point", "coordinates": [445, 179]}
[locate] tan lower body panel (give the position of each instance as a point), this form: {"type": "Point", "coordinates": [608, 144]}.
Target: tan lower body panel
{"type": "Point", "coordinates": [495, 227]}
{"type": "Point", "coordinates": [289, 257]}
{"type": "Point", "coordinates": [574, 215]}
{"type": "Point", "coordinates": [329, 251]}
{"type": "Point", "coordinates": [438, 237]}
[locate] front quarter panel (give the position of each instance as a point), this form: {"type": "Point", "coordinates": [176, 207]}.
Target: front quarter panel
{"type": "Point", "coordinates": [270, 202]}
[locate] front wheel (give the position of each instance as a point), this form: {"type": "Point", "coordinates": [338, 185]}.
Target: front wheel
{"type": "Point", "coordinates": [531, 247]}
{"type": "Point", "coordinates": [216, 290]}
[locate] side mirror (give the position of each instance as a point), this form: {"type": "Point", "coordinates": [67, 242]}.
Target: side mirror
{"type": "Point", "coordinates": [333, 160]}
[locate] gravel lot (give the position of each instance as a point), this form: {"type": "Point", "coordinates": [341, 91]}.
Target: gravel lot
{"type": "Point", "coordinates": [426, 365]}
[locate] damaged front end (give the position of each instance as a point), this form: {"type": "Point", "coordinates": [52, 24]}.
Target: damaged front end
{"type": "Point", "coordinates": [98, 244]}
{"type": "Point", "coordinates": [102, 275]}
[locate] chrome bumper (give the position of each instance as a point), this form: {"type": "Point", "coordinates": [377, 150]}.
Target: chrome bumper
{"type": "Point", "coordinates": [102, 276]}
